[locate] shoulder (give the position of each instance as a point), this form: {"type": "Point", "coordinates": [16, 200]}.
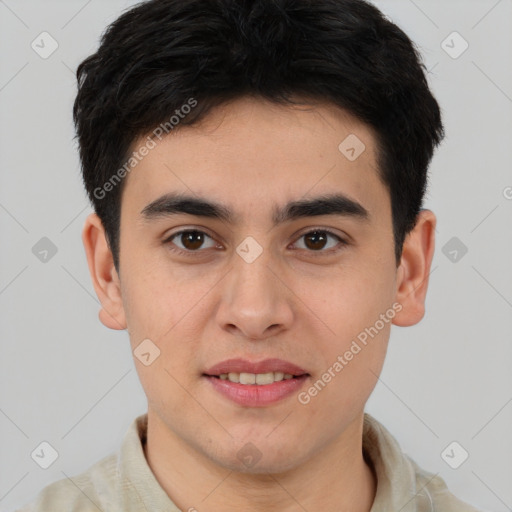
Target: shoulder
{"type": "Point", "coordinates": [434, 495]}
{"type": "Point", "coordinates": [89, 491]}
{"type": "Point", "coordinates": [401, 483]}
{"type": "Point", "coordinates": [106, 485]}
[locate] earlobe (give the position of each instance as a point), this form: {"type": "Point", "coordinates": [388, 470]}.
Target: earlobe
{"type": "Point", "coordinates": [103, 273]}
{"type": "Point", "coordinates": [414, 270]}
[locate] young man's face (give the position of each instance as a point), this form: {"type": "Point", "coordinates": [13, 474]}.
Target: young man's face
{"type": "Point", "coordinates": [251, 289]}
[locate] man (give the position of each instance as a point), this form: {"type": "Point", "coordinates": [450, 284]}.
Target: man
{"type": "Point", "coordinates": [257, 170]}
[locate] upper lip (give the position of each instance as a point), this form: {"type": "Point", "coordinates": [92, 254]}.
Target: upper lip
{"type": "Point", "coordinates": [265, 366]}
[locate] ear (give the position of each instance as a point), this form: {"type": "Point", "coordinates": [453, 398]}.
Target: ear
{"type": "Point", "coordinates": [103, 273]}
{"type": "Point", "coordinates": [414, 270]}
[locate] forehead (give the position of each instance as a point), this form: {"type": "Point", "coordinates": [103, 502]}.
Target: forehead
{"type": "Point", "coordinates": [251, 153]}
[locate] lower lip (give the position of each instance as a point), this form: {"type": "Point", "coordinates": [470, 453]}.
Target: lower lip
{"type": "Point", "coordinates": [254, 395]}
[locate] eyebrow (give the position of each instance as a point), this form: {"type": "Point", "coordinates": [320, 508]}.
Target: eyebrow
{"type": "Point", "coordinates": [332, 204]}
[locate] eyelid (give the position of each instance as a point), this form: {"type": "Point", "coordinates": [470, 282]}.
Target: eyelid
{"type": "Point", "coordinates": [342, 241]}
{"type": "Point", "coordinates": [199, 229]}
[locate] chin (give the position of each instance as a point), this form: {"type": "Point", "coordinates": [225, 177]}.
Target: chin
{"type": "Point", "coordinates": [271, 467]}
{"type": "Point", "coordinates": [267, 459]}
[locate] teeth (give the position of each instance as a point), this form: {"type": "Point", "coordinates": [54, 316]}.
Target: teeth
{"type": "Point", "coordinates": [260, 379]}
{"type": "Point", "coordinates": [247, 378]}
{"type": "Point", "coordinates": [264, 378]}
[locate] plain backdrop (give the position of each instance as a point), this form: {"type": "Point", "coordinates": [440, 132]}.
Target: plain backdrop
{"type": "Point", "coordinates": [67, 380]}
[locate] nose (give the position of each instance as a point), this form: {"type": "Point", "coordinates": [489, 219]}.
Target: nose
{"type": "Point", "coordinates": [255, 304]}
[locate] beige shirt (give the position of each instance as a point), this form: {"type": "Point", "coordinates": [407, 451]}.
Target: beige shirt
{"type": "Point", "coordinates": [123, 482]}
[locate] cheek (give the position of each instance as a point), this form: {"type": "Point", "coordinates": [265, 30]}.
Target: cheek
{"type": "Point", "coordinates": [352, 297]}
{"type": "Point", "coordinates": [357, 308]}
{"type": "Point", "coordinates": [141, 300]}
{"type": "Point", "coordinates": [171, 310]}
{"type": "Point", "coordinates": [349, 376]}
{"type": "Point", "coordinates": [153, 294]}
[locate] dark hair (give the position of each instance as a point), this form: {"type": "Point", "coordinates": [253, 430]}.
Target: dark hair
{"type": "Point", "coordinates": [160, 54]}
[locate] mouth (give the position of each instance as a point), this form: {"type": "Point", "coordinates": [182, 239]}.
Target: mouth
{"type": "Point", "coordinates": [257, 379]}
{"type": "Point", "coordinates": [256, 384]}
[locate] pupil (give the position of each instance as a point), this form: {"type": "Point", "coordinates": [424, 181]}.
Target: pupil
{"type": "Point", "coordinates": [192, 239]}
{"type": "Point", "coordinates": [318, 238]}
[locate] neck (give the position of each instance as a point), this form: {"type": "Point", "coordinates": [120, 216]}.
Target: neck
{"type": "Point", "coordinates": [336, 479]}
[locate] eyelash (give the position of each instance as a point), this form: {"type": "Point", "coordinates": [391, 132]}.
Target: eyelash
{"type": "Point", "coordinates": [341, 242]}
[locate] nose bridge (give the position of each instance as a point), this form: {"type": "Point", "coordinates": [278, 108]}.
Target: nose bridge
{"type": "Point", "coordinates": [252, 278]}
{"type": "Point", "coordinates": [252, 285]}
{"type": "Point", "coordinates": [254, 300]}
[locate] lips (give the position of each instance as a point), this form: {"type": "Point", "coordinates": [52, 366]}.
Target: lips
{"type": "Point", "coordinates": [256, 384]}
{"type": "Point", "coordinates": [265, 366]}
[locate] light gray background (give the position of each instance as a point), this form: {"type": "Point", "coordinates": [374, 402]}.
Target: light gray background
{"type": "Point", "coordinates": [68, 380]}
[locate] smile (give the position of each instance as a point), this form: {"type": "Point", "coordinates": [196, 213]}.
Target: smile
{"type": "Point", "coordinates": [258, 379]}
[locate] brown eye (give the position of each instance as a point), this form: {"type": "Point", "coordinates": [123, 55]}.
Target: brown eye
{"type": "Point", "coordinates": [319, 239]}
{"type": "Point", "coordinates": [190, 240]}
{"type": "Point", "coordinates": [315, 240]}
